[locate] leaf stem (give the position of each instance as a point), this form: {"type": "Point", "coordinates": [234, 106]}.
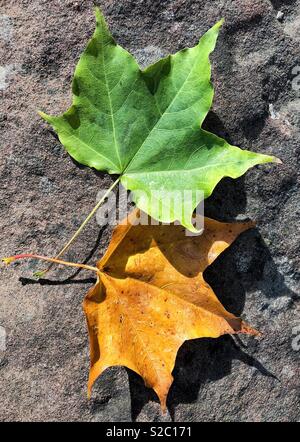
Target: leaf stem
{"type": "Point", "coordinates": [52, 260]}
{"type": "Point", "coordinates": [77, 233]}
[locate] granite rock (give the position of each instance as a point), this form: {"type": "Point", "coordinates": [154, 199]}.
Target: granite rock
{"type": "Point", "coordinates": [44, 357]}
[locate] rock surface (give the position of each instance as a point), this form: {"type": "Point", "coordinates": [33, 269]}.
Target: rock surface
{"type": "Point", "coordinates": [44, 357]}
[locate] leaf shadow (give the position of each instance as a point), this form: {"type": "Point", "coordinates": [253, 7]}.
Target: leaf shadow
{"type": "Point", "coordinates": [198, 362]}
{"type": "Point", "coordinates": [70, 279]}
{"type": "Point", "coordinates": [45, 281]}
{"type": "Point", "coordinates": [214, 124]}
{"type": "Point", "coordinates": [279, 3]}
{"type": "Point", "coordinates": [206, 360]}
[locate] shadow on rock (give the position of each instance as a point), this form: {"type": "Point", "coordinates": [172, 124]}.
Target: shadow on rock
{"type": "Point", "coordinates": [198, 361]}
{"type": "Point", "coordinates": [70, 279]}
{"type": "Point", "coordinates": [246, 265]}
{"type": "Point", "coordinates": [279, 3]}
{"type": "Point", "coordinates": [214, 124]}
{"type": "Point", "coordinates": [204, 360]}
{"type": "Point", "coordinates": [263, 274]}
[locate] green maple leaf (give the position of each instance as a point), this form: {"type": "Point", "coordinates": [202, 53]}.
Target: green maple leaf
{"type": "Point", "coordinates": [146, 125]}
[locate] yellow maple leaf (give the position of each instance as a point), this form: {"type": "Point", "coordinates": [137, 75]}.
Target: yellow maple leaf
{"type": "Point", "coordinates": [151, 296]}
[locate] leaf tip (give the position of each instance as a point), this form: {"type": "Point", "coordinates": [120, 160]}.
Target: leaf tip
{"type": "Point", "coordinates": [163, 403]}
{"type": "Point", "coordinates": [219, 24]}
{"type": "Point", "coordinates": [89, 393]}
{"type": "Point", "coordinates": [99, 15]}
{"type": "Point", "coordinates": [97, 12]}
{"type": "Point", "coordinates": [43, 115]}
{"type": "Point", "coordinates": [102, 25]}
{"type": "Point", "coordinates": [163, 408]}
{"type": "Point", "coordinates": [248, 330]}
{"type": "Point", "coordinates": [272, 159]}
